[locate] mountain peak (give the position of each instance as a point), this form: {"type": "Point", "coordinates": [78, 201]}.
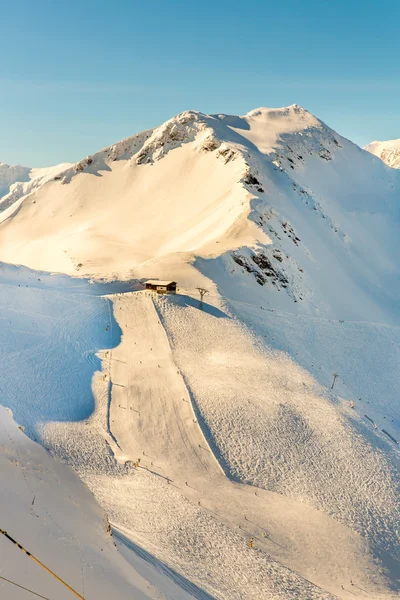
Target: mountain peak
{"type": "Point", "coordinates": [293, 112]}
{"type": "Point", "coordinates": [271, 128]}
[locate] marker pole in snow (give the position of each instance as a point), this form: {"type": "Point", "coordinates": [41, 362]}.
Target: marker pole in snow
{"type": "Point", "coordinates": [335, 375]}
{"type": "Point", "coordinates": [41, 564]}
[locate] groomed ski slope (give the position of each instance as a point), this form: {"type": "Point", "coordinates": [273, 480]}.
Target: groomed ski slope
{"type": "Point", "coordinates": [154, 399]}
{"type": "Point", "coordinates": [151, 419]}
{"type": "Point", "coordinates": [299, 551]}
{"type": "Point", "coordinates": [276, 428]}
{"type": "Point", "coordinates": [51, 329]}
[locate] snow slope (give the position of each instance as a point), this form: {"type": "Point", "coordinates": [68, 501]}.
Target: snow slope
{"type": "Point", "coordinates": [49, 349]}
{"type": "Point", "coordinates": [299, 441]}
{"type": "Point", "coordinates": [300, 552]}
{"type": "Point", "coordinates": [388, 151]}
{"type": "Point", "coordinates": [90, 222]}
{"type": "Point", "coordinates": [51, 330]}
{"type": "Point", "coordinates": [293, 230]}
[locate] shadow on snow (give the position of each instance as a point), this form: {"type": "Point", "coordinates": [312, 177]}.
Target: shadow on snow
{"type": "Point", "coordinates": [180, 580]}
{"type": "Point", "coordinates": [187, 301]}
{"type": "Point", "coordinates": [52, 328]}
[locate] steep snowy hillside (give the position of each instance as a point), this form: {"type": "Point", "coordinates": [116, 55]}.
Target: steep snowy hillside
{"type": "Point", "coordinates": [9, 174]}
{"type": "Point", "coordinates": [388, 151]}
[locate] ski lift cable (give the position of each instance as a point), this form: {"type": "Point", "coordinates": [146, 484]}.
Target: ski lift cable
{"type": "Point", "coordinates": [24, 588]}
{"type": "Point", "coordinates": [30, 555]}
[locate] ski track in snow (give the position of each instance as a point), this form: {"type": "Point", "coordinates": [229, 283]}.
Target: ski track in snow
{"type": "Point", "coordinates": [206, 543]}
{"type": "Point", "coordinates": [156, 514]}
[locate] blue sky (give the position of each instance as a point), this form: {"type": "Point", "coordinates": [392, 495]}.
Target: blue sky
{"type": "Point", "coordinates": [76, 76]}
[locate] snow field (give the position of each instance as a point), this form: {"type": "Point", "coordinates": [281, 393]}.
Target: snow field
{"type": "Point", "coordinates": [294, 534]}
{"type": "Point", "coordinates": [197, 543]}
{"type": "Point", "coordinates": [276, 428]}
{"type": "Point", "coordinates": [149, 395]}
{"type": "Point", "coordinates": [47, 353]}
{"type": "Point", "coordinates": [173, 453]}
{"type": "Point", "coordinates": [165, 519]}
{"type": "Point", "coordinates": [48, 367]}
{"type": "Point", "coordinates": [357, 350]}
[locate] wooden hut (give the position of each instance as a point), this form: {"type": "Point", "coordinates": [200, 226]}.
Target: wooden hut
{"type": "Point", "coordinates": [161, 287]}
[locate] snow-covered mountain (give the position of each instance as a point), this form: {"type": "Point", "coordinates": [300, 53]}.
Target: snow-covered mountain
{"type": "Point", "coordinates": [17, 181]}
{"type": "Point", "coordinates": [388, 151]}
{"type": "Point", "coordinates": [201, 427]}
{"type": "Point", "coordinates": [308, 216]}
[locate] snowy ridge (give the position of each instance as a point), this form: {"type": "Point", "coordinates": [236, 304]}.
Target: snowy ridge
{"type": "Point", "coordinates": [24, 181]}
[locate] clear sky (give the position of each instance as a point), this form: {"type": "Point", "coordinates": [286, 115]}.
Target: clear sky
{"type": "Point", "coordinates": [78, 75]}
